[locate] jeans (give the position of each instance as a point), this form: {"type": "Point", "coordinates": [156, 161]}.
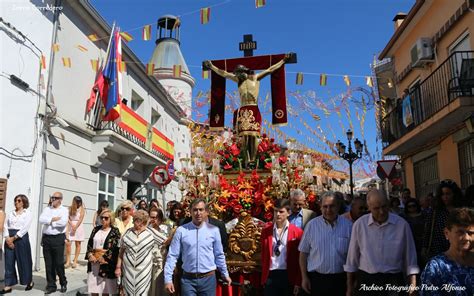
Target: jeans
{"type": "Point", "coordinates": [205, 286]}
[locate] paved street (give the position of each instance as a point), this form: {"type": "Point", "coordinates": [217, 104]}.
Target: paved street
{"type": "Point", "coordinates": [76, 282]}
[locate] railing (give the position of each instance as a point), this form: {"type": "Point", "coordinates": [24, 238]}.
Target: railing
{"type": "Point", "coordinates": [137, 130]}
{"type": "Point", "coordinates": [452, 79]}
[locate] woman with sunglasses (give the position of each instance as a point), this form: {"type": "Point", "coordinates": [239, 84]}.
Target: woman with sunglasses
{"type": "Point", "coordinates": [281, 273]}
{"type": "Point", "coordinates": [125, 221]}
{"type": "Point", "coordinates": [447, 197]}
{"type": "Point", "coordinates": [17, 246]}
{"type": "Point", "coordinates": [102, 253]}
{"type": "Point", "coordinates": [75, 230]}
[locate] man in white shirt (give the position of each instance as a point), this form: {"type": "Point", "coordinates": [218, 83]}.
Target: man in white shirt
{"type": "Point", "coordinates": [381, 251]}
{"type": "Point", "coordinates": [323, 250]}
{"type": "Point", "coordinates": [54, 219]}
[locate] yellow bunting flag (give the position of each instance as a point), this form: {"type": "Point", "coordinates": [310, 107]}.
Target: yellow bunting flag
{"type": "Point", "coordinates": [149, 69]}
{"type": "Point", "coordinates": [205, 15]}
{"type": "Point", "coordinates": [347, 80]}
{"type": "Point", "coordinates": [67, 62]}
{"type": "Point", "coordinates": [123, 67]}
{"type": "Point", "coordinates": [370, 82]}
{"type": "Point", "coordinates": [177, 71]}
{"type": "Point", "coordinates": [259, 3]}
{"type": "Point", "coordinates": [126, 36]}
{"type": "Point", "coordinates": [323, 79]}
{"type": "Point", "coordinates": [205, 74]}
{"type": "Point", "coordinates": [43, 62]}
{"type": "Point", "coordinates": [299, 78]}
{"type": "Point", "coordinates": [95, 65]}
{"type": "Point", "coordinates": [82, 48]}
{"type": "Point", "coordinates": [93, 37]}
{"type": "Point", "coordinates": [177, 23]}
{"type": "Point", "coordinates": [55, 47]}
{"type": "Point", "coordinates": [146, 33]}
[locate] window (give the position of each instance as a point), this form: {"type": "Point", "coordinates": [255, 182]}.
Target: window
{"type": "Point", "coordinates": [155, 117]}
{"type": "Point", "coordinates": [466, 162]}
{"type": "Point", "coordinates": [137, 102]}
{"type": "Point", "coordinates": [426, 176]}
{"type": "Point", "coordinates": [106, 189]}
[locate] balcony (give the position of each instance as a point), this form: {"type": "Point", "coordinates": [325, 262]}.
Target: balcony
{"type": "Point", "coordinates": [133, 138]}
{"type": "Point", "coordinates": [438, 104]}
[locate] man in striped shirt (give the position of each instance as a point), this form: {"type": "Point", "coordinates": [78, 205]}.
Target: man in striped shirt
{"type": "Point", "coordinates": [323, 250]}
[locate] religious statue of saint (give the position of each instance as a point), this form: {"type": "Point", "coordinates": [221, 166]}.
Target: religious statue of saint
{"type": "Point", "coordinates": [247, 118]}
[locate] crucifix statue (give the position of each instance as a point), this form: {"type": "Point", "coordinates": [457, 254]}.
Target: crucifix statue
{"type": "Point", "coordinates": [247, 118]}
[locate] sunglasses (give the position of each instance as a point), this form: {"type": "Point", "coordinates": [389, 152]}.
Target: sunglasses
{"type": "Point", "coordinates": [104, 218]}
{"type": "Point", "coordinates": [276, 250]}
{"type": "Point", "coordinates": [448, 182]}
{"type": "Point", "coordinates": [125, 209]}
{"type": "Point", "coordinates": [18, 200]}
{"type": "Point", "coordinates": [53, 198]}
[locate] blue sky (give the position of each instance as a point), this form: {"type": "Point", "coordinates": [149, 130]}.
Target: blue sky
{"type": "Point", "coordinates": [333, 37]}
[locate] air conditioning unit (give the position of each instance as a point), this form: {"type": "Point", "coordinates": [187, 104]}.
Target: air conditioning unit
{"type": "Point", "coordinates": [421, 52]}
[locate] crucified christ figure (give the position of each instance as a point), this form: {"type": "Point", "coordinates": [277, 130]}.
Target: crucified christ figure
{"type": "Point", "coordinates": [247, 118]}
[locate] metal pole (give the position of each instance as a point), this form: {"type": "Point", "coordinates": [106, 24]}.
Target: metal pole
{"type": "Point", "coordinates": [350, 177]}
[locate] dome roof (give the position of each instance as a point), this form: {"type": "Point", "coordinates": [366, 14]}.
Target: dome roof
{"type": "Point", "coordinates": [167, 54]}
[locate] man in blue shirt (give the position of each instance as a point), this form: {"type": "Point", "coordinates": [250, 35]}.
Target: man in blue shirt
{"type": "Point", "coordinates": [299, 215]}
{"type": "Point", "coordinates": [199, 245]}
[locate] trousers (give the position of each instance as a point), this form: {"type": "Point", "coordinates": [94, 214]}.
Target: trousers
{"type": "Point", "coordinates": [53, 252]}
{"type": "Point", "coordinates": [21, 256]}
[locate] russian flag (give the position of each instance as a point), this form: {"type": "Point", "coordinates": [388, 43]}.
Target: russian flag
{"type": "Point", "coordinates": [112, 99]}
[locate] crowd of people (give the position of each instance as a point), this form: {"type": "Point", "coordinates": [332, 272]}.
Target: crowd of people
{"type": "Point", "coordinates": [358, 246]}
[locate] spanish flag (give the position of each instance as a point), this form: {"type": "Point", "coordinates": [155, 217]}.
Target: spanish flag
{"type": "Point", "coordinates": [323, 79]}
{"type": "Point", "coordinates": [43, 62]}
{"type": "Point", "coordinates": [205, 74]}
{"type": "Point", "coordinates": [123, 67]}
{"type": "Point", "coordinates": [93, 37]}
{"type": "Point", "coordinates": [205, 15]}
{"type": "Point", "coordinates": [55, 47]}
{"type": "Point", "coordinates": [95, 65]}
{"type": "Point", "coordinates": [370, 82]}
{"type": "Point", "coordinates": [347, 80]}
{"type": "Point", "coordinates": [146, 32]}
{"type": "Point", "coordinates": [67, 62]}
{"type": "Point", "coordinates": [149, 69]}
{"type": "Point", "coordinates": [126, 36]}
{"type": "Point", "coordinates": [299, 78]}
{"type": "Point", "coordinates": [82, 48]}
{"type": "Point", "coordinates": [177, 71]}
{"type": "Point", "coordinates": [259, 3]}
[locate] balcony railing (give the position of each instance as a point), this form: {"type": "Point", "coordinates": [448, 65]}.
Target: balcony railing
{"type": "Point", "coordinates": [452, 79]}
{"type": "Point", "coordinates": [136, 130]}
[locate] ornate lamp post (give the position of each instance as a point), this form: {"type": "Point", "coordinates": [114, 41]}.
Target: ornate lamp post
{"type": "Point", "coordinates": [350, 156]}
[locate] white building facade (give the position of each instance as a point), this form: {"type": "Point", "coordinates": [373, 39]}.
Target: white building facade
{"type": "Point", "coordinates": [108, 160]}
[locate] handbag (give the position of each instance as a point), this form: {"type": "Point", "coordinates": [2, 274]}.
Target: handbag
{"type": "Point", "coordinates": [97, 253]}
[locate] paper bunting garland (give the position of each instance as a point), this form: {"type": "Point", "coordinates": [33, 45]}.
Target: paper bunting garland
{"type": "Point", "coordinates": [55, 47]}
{"type": "Point", "coordinates": [323, 79]}
{"type": "Point", "coordinates": [93, 37]}
{"type": "Point", "coordinates": [205, 15]}
{"type": "Point", "coordinates": [126, 36]}
{"type": "Point", "coordinates": [43, 62]}
{"type": "Point", "coordinates": [205, 74]}
{"type": "Point", "coordinates": [82, 48]}
{"type": "Point", "coordinates": [149, 69]}
{"type": "Point", "coordinates": [95, 65]}
{"type": "Point", "coordinates": [146, 32]}
{"type": "Point", "coordinates": [67, 62]}
{"type": "Point", "coordinates": [259, 3]}
{"type": "Point", "coordinates": [369, 81]}
{"type": "Point", "coordinates": [123, 67]}
{"type": "Point", "coordinates": [347, 80]}
{"type": "Point", "coordinates": [177, 71]}
{"type": "Point", "coordinates": [299, 78]}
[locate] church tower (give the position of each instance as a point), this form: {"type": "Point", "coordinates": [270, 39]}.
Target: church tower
{"type": "Point", "coordinates": [166, 56]}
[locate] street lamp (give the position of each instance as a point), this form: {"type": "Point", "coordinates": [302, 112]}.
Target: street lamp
{"type": "Point", "coordinates": [350, 156]}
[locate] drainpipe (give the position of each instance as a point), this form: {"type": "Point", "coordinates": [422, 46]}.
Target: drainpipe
{"type": "Point", "coordinates": [39, 230]}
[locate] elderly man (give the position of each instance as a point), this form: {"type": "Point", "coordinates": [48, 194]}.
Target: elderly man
{"type": "Point", "coordinates": [358, 208]}
{"type": "Point", "coordinates": [299, 216]}
{"type": "Point", "coordinates": [199, 245]}
{"type": "Point", "coordinates": [54, 219]}
{"type": "Point", "coordinates": [323, 250]}
{"type": "Point", "coordinates": [381, 251]}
